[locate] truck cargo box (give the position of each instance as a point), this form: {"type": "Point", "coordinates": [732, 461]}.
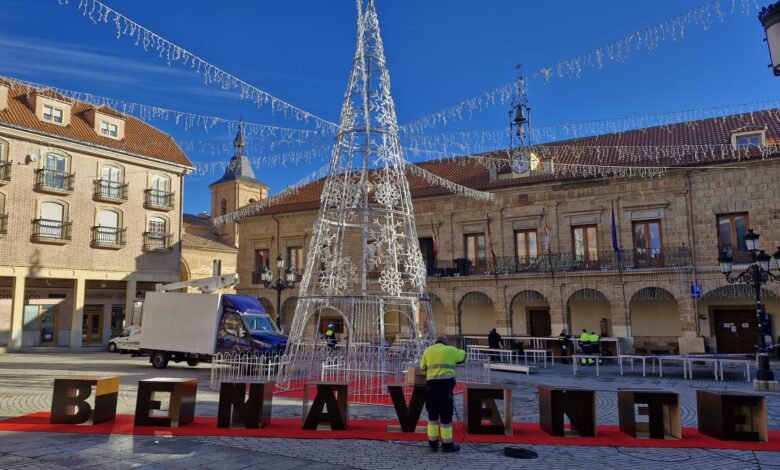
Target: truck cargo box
{"type": "Point", "coordinates": [181, 322]}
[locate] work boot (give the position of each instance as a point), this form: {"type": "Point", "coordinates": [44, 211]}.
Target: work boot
{"type": "Point", "coordinates": [449, 447]}
{"type": "Point", "coordinates": [434, 445]}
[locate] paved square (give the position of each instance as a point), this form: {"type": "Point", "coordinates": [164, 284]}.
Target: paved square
{"type": "Point", "coordinates": [26, 385]}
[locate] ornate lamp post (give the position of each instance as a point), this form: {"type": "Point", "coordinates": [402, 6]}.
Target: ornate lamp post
{"type": "Point", "coordinates": [755, 276]}
{"type": "Point", "coordinates": [280, 284]}
{"type": "Point", "coordinates": [770, 20]}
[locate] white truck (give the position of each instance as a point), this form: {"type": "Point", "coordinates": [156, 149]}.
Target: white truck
{"type": "Point", "coordinates": [193, 327]}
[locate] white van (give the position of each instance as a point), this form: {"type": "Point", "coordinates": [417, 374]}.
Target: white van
{"type": "Point", "coordinates": [128, 341]}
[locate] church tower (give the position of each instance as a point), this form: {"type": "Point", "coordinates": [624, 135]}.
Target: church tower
{"type": "Point", "coordinates": [237, 188]}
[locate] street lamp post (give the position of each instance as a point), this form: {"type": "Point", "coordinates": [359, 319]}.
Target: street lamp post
{"type": "Point", "coordinates": [755, 276]}
{"type": "Point", "coordinates": [280, 284]}
{"type": "Point", "coordinates": [770, 20]}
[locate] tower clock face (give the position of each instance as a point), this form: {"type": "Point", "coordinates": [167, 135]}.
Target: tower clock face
{"type": "Point", "coordinates": [521, 164]}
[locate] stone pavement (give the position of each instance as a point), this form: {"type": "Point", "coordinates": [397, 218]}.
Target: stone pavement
{"type": "Point", "coordinates": [26, 381]}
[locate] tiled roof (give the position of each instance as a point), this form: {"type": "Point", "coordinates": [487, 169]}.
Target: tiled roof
{"type": "Point", "coordinates": [469, 173]}
{"type": "Point", "coordinates": [140, 137]}
{"type": "Point", "coordinates": [205, 242]}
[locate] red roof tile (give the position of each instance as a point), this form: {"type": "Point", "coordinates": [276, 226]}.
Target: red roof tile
{"type": "Point", "coordinates": [140, 137]}
{"type": "Point", "coordinates": [470, 173]}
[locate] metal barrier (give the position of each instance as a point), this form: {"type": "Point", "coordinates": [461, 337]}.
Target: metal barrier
{"type": "Point", "coordinates": [367, 369]}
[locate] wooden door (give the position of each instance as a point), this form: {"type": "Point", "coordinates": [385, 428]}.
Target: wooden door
{"type": "Point", "coordinates": [92, 325]}
{"type": "Point", "coordinates": [736, 331]}
{"type": "Point", "coordinates": [539, 323]}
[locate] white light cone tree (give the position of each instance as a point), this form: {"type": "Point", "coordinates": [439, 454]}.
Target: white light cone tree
{"type": "Point", "coordinates": [364, 268]}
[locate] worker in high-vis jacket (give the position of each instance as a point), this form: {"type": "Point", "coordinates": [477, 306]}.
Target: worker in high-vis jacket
{"type": "Point", "coordinates": [438, 364]}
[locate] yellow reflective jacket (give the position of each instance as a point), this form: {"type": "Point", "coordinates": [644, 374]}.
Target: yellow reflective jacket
{"type": "Point", "coordinates": [438, 361]}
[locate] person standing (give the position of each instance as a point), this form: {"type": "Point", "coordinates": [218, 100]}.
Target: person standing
{"type": "Point", "coordinates": [563, 342]}
{"type": "Point", "coordinates": [330, 336]}
{"type": "Point", "coordinates": [438, 364]}
{"type": "Point", "coordinates": [494, 342]}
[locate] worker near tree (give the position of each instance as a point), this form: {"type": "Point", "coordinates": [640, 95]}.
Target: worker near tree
{"type": "Point", "coordinates": [330, 335]}
{"type": "Point", "coordinates": [438, 364]}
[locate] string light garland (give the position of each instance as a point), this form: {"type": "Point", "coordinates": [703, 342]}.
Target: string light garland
{"type": "Point", "coordinates": [98, 12]}
{"type": "Point", "coordinates": [187, 119]}
{"type": "Point", "coordinates": [450, 186]}
{"type": "Point", "coordinates": [618, 51]}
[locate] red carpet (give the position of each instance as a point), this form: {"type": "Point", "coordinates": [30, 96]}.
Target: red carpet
{"type": "Point", "coordinates": [525, 433]}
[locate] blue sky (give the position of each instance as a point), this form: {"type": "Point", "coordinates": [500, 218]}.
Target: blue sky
{"type": "Point", "coordinates": [439, 52]}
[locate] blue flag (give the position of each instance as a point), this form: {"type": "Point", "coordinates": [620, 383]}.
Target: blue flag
{"type": "Point", "coordinates": [615, 245]}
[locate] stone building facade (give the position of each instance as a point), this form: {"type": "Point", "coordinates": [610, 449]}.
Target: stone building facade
{"type": "Point", "coordinates": [669, 229]}
{"type": "Point", "coordinates": [90, 218]}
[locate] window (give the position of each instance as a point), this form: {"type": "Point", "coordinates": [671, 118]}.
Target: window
{"type": "Point", "coordinates": [107, 230]}
{"type": "Point", "coordinates": [295, 258]}
{"type": "Point", "coordinates": [108, 129]}
{"type": "Point", "coordinates": [52, 220]}
{"type": "Point", "coordinates": [526, 247]}
{"type": "Point", "coordinates": [216, 267]}
{"type": "Point", "coordinates": [52, 114]}
{"type": "Point", "coordinates": [159, 183]}
{"type": "Point", "coordinates": [586, 246]}
{"type": "Point", "coordinates": [732, 229]}
{"type": "Point", "coordinates": [752, 139]}
{"type": "Point", "coordinates": [158, 196]}
{"type": "Point", "coordinates": [262, 256]}
{"type": "Point", "coordinates": [111, 182]}
{"type": "Point", "coordinates": [223, 207]}
{"type": "Point", "coordinates": [54, 171]}
{"type": "Point", "coordinates": [157, 225]}
{"type": "Point", "coordinates": [648, 242]}
{"type": "Point", "coordinates": [232, 324]}
{"type": "Point", "coordinates": [475, 248]}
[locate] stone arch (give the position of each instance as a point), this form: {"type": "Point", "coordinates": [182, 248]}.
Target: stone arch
{"type": "Point", "coordinates": [316, 322]}
{"type": "Point", "coordinates": [655, 318]}
{"type": "Point", "coordinates": [718, 300]}
{"type": "Point", "coordinates": [524, 316]}
{"type": "Point", "coordinates": [585, 308]}
{"type": "Point", "coordinates": [288, 312]}
{"type": "Point", "coordinates": [476, 314]}
{"type": "Point", "coordinates": [186, 273]}
{"type": "Point", "coordinates": [398, 325]}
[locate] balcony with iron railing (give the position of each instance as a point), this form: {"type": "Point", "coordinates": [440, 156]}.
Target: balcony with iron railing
{"type": "Point", "coordinates": [51, 231]}
{"type": "Point", "coordinates": [110, 191]}
{"type": "Point", "coordinates": [5, 172]}
{"type": "Point", "coordinates": [158, 200]}
{"type": "Point", "coordinates": [3, 224]}
{"type": "Point", "coordinates": [600, 261]}
{"type": "Point", "coordinates": [53, 181]}
{"type": "Point", "coordinates": [112, 238]}
{"type": "Point", "coordinates": [157, 241]}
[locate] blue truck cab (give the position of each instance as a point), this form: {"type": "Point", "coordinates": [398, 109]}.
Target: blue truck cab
{"type": "Point", "coordinates": [245, 327]}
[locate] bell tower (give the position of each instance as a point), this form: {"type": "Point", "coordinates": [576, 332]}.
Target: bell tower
{"type": "Point", "coordinates": [237, 188]}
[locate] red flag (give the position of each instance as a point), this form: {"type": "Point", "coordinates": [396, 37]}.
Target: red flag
{"type": "Point", "coordinates": [490, 240]}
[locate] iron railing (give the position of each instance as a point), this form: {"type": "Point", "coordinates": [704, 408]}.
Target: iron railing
{"type": "Point", "coordinates": [157, 241]}
{"type": "Point", "coordinates": [51, 230]}
{"type": "Point", "coordinates": [156, 199]}
{"type": "Point", "coordinates": [562, 262]}
{"type": "Point", "coordinates": [108, 237]}
{"type": "Point", "coordinates": [5, 172]}
{"type": "Point", "coordinates": [110, 191]}
{"type": "Point", "coordinates": [53, 180]}
{"type": "Point", "coordinates": [3, 224]}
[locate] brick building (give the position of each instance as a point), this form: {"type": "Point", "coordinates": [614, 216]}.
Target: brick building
{"type": "Point", "coordinates": [90, 218]}
{"type": "Point", "coordinates": [670, 230]}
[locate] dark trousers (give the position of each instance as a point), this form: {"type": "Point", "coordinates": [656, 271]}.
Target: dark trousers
{"type": "Point", "coordinates": [439, 400]}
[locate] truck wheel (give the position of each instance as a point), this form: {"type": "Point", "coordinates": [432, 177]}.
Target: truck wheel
{"type": "Point", "coordinates": [159, 360]}
{"type": "Point", "coordinates": [112, 347]}
{"type": "Point", "coordinates": [192, 362]}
